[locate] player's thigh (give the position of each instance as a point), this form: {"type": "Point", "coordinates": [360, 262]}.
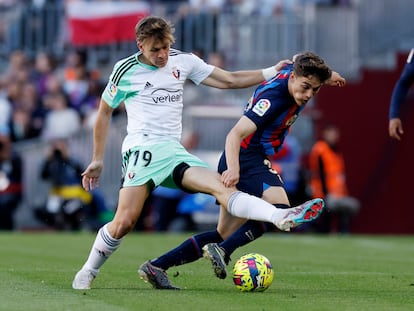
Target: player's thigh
{"type": "Point", "coordinates": [201, 179]}
{"type": "Point", "coordinates": [227, 223]}
{"type": "Point", "coordinates": [275, 195]}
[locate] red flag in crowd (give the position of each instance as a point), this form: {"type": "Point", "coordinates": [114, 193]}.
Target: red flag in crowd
{"type": "Point", "coordinates": [104, 22]}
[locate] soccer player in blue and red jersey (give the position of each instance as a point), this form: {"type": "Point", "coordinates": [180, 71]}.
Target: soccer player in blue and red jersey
{"type": "Point", "coordinates": [399, 94]}
{"type": "Point", "coordinates": [260, 132]}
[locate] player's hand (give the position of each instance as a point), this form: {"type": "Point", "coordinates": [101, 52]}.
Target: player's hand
{"type": "Point", "coordinates": [90, 177]}
{"type": "Point", "coordinates": [395, 128]}
{"type": "Point", "coordinates": [336, 80]}
{"type": "Point", "coordinates": [230, 178]}
{"type": "Point", "coordinates": [279, 66]}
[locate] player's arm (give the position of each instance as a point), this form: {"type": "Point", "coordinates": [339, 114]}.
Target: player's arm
{"type": "Point", "coordinates": [399, 94]}
{"type": "Point", "coordinates": [90, 177]}
{"type": "Point", "coordinates": [243, 128]}
{"type": "Point", "coordinates": [223, 79]}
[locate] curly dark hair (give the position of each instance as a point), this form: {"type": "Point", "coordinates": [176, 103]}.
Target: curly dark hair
{"type": "Point", "coordinates": [309, 64]}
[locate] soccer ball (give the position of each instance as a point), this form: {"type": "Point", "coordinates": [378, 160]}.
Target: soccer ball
{"type": "Point", "coordinates": [253, 272]}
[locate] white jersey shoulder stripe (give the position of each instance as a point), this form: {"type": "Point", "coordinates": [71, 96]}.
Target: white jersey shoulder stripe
{"type": "Point", "coordinates": [124, 67]}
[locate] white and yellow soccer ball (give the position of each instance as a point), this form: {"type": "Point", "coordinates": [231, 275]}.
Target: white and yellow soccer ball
{"type": "Point", "coordinates": [253, 272]}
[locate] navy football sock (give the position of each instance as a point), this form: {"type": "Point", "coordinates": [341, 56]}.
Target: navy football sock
{"type": "Point", "coordinates": [247, 233]}
{"type": "Point", "coordinates": [190, 250]}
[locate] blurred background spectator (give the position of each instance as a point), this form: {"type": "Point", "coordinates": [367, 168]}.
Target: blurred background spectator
{"type": "Point", "coordinates": [61, 121]}
{"type": "Point", "coordinates": [328, 181]}
{"type": "Point", "coordinates": [65, 206]}
{"type": "Point", "coordinates": [43, 69]}
{"type": "Point", "coordinates": [68, 206]}
{"type": "Point", "coordinates": [79, 82]}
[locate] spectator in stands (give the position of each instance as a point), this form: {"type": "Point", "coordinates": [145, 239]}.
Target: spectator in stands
{"type": "Point", "coordinates": [399, 94]}
{"type": "Point", "coordinates": [44, 67]}
{"type": "Point", "coordinates": [11, 187]}
{"type": "Point", "coordinates": [76, 76]}
{"type": "Point", "coordinates": [88, 106]}
{"type": "Point", "coordinates": [75, 80]}
{"type": "Point", "coordinates": [17, 64]}
{"type": "Point", "coordinates": [22, 123]}
{"type": "Point", "coordinates": [52, 86]}
{"type": "Point", "coordinates": [65, 207]}
{"type": "Point", "coordinates": [14, 91]}
{"type": "Point", "coordinates": [69, 206]}
{"type": "Point", "coordinates": [328, 181]}
{"type": "Point", "coordinates": [61, 121]}
{"type": "Point", "coordinates": [18, 99]}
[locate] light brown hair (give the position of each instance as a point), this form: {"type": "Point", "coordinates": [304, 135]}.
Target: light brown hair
{"type": "Point", "coordinates": [154, 27]}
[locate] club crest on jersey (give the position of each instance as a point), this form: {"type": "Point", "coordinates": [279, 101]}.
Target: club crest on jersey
{"type": "Point", "coordinates": [112, 89]}
{"type": "Point", "coordinates": [176, 73]}
{"type": "Point", "coordinates": [261, 107]}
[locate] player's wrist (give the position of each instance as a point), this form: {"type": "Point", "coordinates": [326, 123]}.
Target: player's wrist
{"type": "Point", "coordinates": [269, 72]}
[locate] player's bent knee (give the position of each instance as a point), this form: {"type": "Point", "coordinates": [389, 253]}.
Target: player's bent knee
{"type": "Point", "coordinates": [178, 175]}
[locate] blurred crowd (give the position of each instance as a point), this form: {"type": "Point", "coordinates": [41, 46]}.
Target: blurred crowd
{"type": "Point", "coordinates": [40, 99]}
{"type": "Point", "coordinates": [48, 102]}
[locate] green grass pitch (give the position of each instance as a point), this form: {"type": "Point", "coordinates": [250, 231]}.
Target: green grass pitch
{"type": "Point", "coordinates": [312, 272]}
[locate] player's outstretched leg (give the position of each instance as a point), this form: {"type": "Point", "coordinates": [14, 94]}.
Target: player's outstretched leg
{"type": "Point", "coordinates": [301, 214]}
{"type": "Point", "coordinates": [157, 277]}
{"type": "Point", "coordinates": [216, 256]}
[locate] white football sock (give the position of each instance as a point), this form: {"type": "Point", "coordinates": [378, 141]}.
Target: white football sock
{"type": "Point", "coordinates": [102, 248]}
{"type": "Point", "coordinates": [250, 207]}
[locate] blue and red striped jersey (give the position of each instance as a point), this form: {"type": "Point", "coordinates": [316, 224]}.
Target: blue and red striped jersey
{"type": "Point", "coordinates": [273, 110]}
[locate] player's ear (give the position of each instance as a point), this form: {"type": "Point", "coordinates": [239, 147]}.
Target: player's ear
{"type": "Point", "coordinates": [139, 45]}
